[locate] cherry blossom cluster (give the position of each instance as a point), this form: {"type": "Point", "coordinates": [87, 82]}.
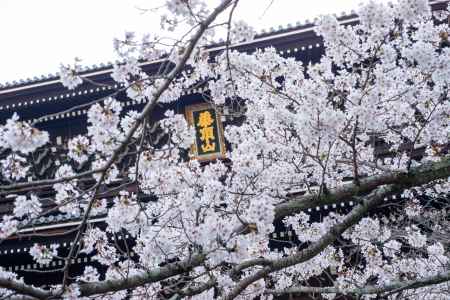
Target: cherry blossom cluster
{"type": "Point", "coordinates": [42, 254]}
{"type": "Point", "coordinates": [69, 75]}
{"type": "Point", "coordinates": [19, 136]}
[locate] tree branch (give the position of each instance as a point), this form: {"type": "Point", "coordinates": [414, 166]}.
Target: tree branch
{"type": "Point", "coordinates": [372, 200]}
{"type": "Point", "coordinates": [415, 177]}
{"type": "Point", "coordinates": [27, 291]}
{"type": "Point", "coordinates": [397, 287]}
{"type": "Point", "coordinates": [131, 282]}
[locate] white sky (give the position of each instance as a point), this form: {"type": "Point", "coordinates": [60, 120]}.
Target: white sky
{"type": "Point", "coordinates": [37, 35]}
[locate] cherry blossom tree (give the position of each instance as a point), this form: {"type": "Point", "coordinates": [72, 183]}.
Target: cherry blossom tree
{"type": "Point", "coordinates": [306, 139]}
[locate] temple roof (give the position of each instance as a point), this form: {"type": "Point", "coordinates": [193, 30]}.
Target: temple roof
{"type": "Point", "coordinates": [272, 32]}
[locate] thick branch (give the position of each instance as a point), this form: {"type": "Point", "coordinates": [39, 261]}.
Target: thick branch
{"type": "Point", "coordinates": [403, 180]}
{"type": "Point", "coordinates": [396, 286]}
{"type": "Point", "coordinates": [131, 282]}
{"type": "Point", "coordinates": [27, 291]}
{"type": "Point", "coordinates": [194, 290]}
{"type": "Point", "coordinates": [357, 213]}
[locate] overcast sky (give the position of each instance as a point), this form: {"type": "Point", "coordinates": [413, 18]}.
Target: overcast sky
{"type": "Point", "coordinates": [37, 35]}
